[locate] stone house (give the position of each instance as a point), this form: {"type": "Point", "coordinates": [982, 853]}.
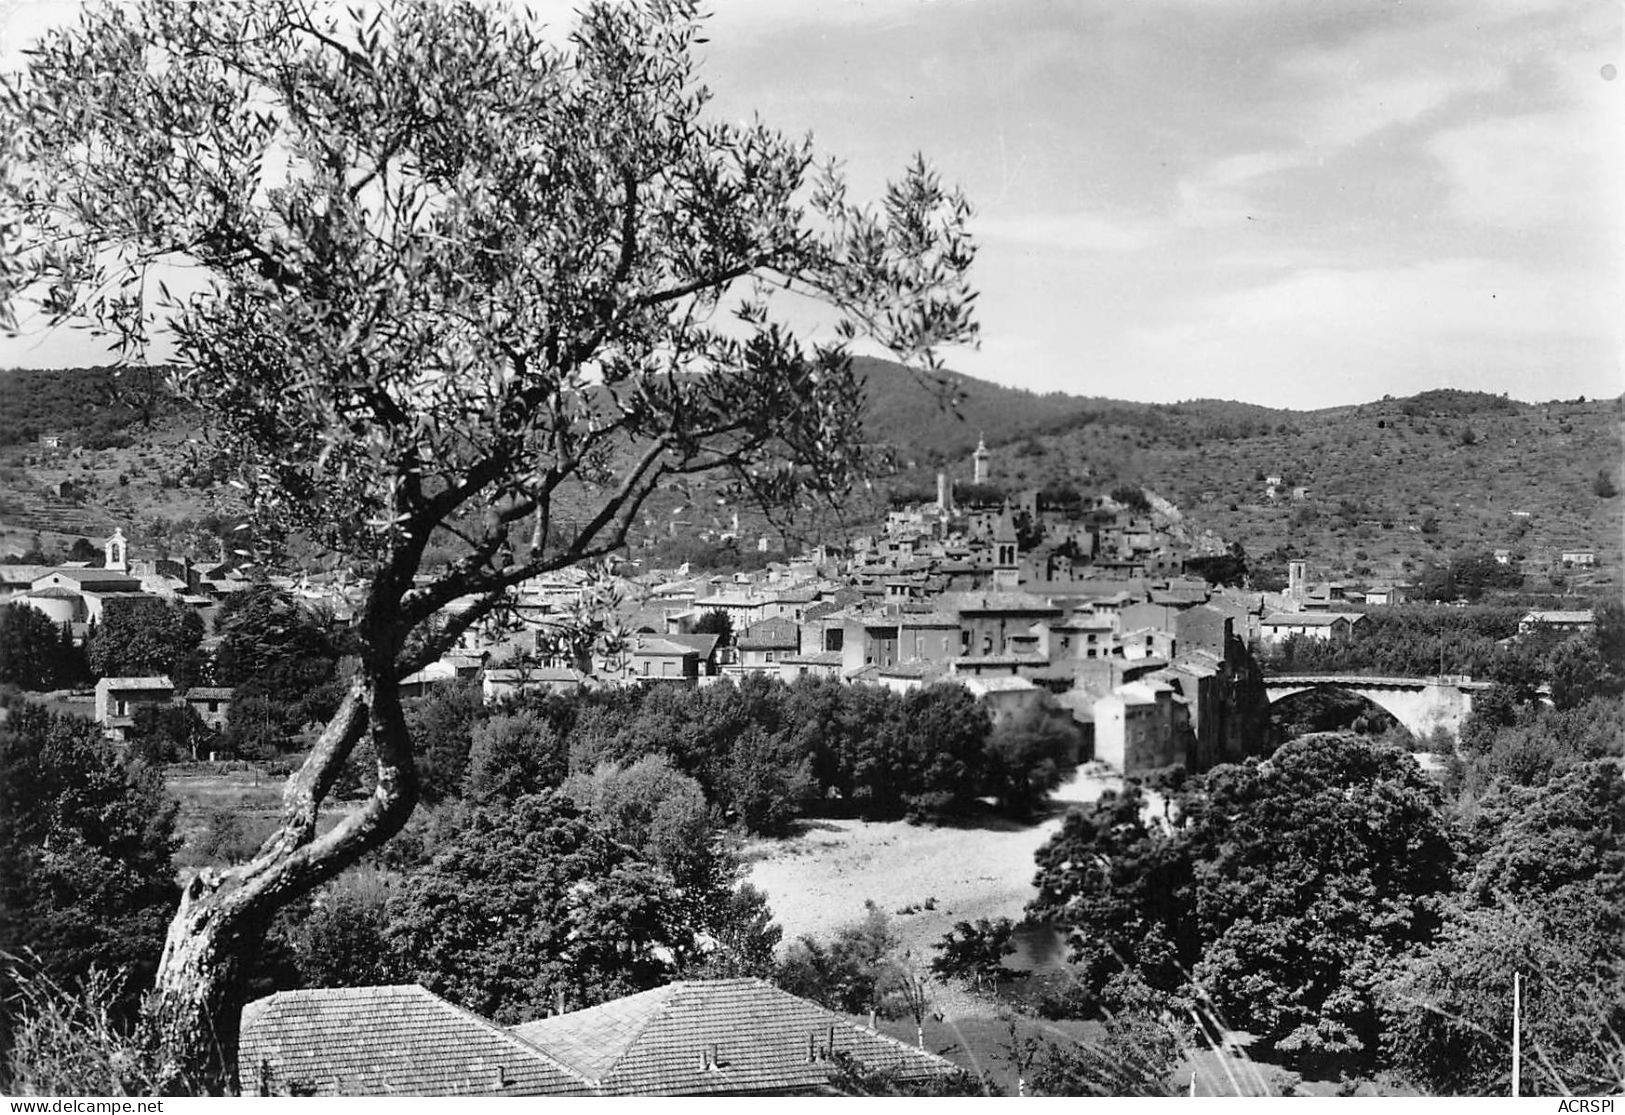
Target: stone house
{"type": "Point", "coordinates": [118, 698]}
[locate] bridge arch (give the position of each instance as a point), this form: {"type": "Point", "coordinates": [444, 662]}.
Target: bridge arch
{"type": "Point", "coordinates": [1422, 705]}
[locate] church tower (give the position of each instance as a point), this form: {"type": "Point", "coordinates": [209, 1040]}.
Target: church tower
{"type": "Point", "coordinates": [1006, 552]}
{"type": "Point", "coordinates": [115, 553]}
{"type": "Point", "coordinates": [979, 460]}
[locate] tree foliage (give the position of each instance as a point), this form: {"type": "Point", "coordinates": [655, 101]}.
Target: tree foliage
{"type": "Point", "coordinates": [269, 643]}
{"type": "Point", "coordinates": [144, 636]}
{"type": "Point", "coordinates": [976, 951]}
{"type": "Point", "coordinates": [849, 972]}
{"type": "Point", "coordinates": [454, 276]}
{"type": "Point", "coordinates": [169, 733]}
{"type": "Point", "coordinates": [1544, 899]}
{"type": "Point", "coordinates": [1136, 1056]}
{"type": "Point", "coordinates": [37, 654]}
{"type": "Point", "coordinates": [86, 845]}
{"type": "Point", "coordinates": [1282, 891]}
{"type": "Point", "coordinates": [530, 902]}
{"type": "Point", "coordinates": [1027, 758]}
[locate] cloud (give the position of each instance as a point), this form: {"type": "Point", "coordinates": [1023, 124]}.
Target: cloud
{"type": "Point", "coordinates": [1324, 335]}
{"type": "Point", "coordinates": [22, 22]}
{"type": "Point", "coordinates": [1220, 193]}
{"type": "Point", "coordinates": [1535, 171]}
{"type": "Point", "coordinates": [1071, 232]}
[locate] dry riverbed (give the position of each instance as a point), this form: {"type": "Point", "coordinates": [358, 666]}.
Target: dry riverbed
{"type": "Point", "coordinates": [926, 877]}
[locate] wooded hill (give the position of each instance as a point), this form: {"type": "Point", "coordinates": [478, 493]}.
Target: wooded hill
{"type": "Point", "coordinates": [1389, 485]}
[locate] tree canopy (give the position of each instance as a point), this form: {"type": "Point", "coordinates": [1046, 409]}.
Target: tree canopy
{"type": "Point", "coordinates": [87, 878]}
{"type": "Point", "coordinates": [1544, 899]}
{"type": "Point", "coordinates": [447, 276]}
{"type": "Point", "coordinates": [35, 653]}
{"type": "Point", "coordinates": [1278, 894]}
{"type": "Point", "coordinates": [142, 636]}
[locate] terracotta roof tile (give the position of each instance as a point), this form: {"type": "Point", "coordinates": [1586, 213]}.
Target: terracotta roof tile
{"type": "Point", "coordinates": [702, 1037]}
{"type": "Point", "coordinates": [368, 1041]}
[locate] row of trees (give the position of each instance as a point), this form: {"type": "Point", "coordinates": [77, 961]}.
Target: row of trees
{"type": "Point", "coordinates": [1482, 642]}
{"type": "Point", "coordinates": [134, 638]}
{"type": "Point", "coordinates": [762, 752]}
{"type": "Point", "coordinates": [1330, 901]}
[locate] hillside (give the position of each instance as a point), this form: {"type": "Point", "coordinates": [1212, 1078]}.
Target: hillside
{"type": "Point", "coordinates": [936, 418]}
{"type": "Point", "coordinates": [1388, 485]}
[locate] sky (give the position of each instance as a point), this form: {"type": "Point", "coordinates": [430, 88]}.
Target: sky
{"type": "Point", "coordinates": [1297, 203]}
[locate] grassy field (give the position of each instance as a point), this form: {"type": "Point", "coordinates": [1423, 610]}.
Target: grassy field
{"type": "Point", "coordinates": [227, 810]}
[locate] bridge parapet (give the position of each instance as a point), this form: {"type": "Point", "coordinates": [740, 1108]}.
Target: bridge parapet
{"type": "Point", "coordinates": [1422, 705]}
{"type": "Point", "coordinates": [1460, 681]}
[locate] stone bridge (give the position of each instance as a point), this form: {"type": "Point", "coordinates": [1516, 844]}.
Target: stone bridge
{"type": "Point", "coordinates": [1420, 704]}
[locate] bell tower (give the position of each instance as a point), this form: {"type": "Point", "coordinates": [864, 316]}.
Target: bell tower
{"type": "Point", "coordinates": [115, 553]}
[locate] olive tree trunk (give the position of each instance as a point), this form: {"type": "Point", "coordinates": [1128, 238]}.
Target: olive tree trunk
{"type": "Point", "coordinates": [197, 998]}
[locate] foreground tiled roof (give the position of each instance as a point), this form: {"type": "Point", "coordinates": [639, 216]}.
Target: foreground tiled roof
{"type": "Point", "coordinates": [707, 1037]}
{"type": "Point", "coordinates": [372, 1041]}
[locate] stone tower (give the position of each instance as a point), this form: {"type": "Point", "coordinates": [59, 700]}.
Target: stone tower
{"type": "Point", "coordinates": [1297, 580]}
{"type": "Point", "coordinates": [979, 461]}
{"type": "Point", "coordinates": [1006, 552]}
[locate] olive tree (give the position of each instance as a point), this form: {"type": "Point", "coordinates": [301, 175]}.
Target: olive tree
{"type": "Point", "coordinates": [451, 274]}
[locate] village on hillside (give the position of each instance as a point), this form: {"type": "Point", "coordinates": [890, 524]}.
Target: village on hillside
{"type": "Point", "coordinates": [1079, 613]}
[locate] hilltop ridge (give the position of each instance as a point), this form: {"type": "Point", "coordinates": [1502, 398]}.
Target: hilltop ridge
{"type": "Point", "coordinates": [1386, 486]}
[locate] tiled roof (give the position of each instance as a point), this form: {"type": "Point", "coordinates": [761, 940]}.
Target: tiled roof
{"type": "Point", "coordinates": [100, 580]}
{"type": "Point", "coordinates": [913, 670]}
{"type": "Point", "coordinates": [159, 681]}
{"type": "Point", "coordinates": [928, 619]}
{"type": "Point", "coordinates": [820, 610]}
{"type": "Point", "coordinates": [370, 1041]}
{"type": "Point", "coordinates": [999, 685]}
{"type": "Point", "coordinates": [978, 602]}
{"type": "Point", "coordinates": [770, 634]}
{"type": "Point", "coordinates": [1561, 617]}
{"type": "Point", "coordinates": [706, 645]}
{"type": "Point", "coordinates": [520, 675]}
{"type": "Point", "coordinates": [707, 1037]}
{"type": "Point", "coordinates": [660, 645]}
{"type": "Point", "coordinates": [1309, 619]}
{"type": "Point", "coordinates": [821, 658]}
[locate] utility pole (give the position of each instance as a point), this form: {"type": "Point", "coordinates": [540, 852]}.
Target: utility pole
{"type": "Point", "coordinates": [1517, 995]}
